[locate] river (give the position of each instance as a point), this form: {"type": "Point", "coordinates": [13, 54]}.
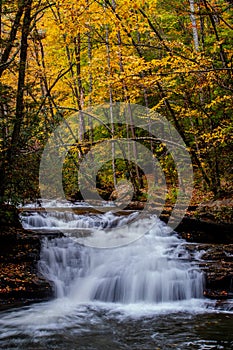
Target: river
{"type": "Point", "coordinates": [117, 285]}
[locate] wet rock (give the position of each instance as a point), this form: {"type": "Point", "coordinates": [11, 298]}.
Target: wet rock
{"type": "Point", "coordinates": [224, 305]}
{"type": "Point", "coordinates": [200, 231]}
{"type": "Point", "coordinates": [216, 261]}
{"type": "Point", "coordinates": [20, 282]}
{"type": "Point", "coordinates": [217, 294]}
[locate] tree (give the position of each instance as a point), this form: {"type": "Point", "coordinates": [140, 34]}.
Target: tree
{"type": "Point", "coordinates": [14, 61]}
{"type": "Point", "coordinates": [174, 58]}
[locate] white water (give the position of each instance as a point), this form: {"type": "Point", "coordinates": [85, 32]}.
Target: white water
{"type": "Point", "coordinates": [144, 295]}
{"type": "Point", "coordinates": [65, 204]}
{"type": "Point", "coordinates": [153, 269]}
{"type": "Point", "coordinates": [57, 220]}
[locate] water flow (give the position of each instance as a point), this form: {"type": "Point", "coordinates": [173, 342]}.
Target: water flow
{"type": "Point", "coordinates": [155, 268]}
{"type": "Point", "coordinates": [151, 285]}
{"type": "Point", "coordinates": [68, 220]}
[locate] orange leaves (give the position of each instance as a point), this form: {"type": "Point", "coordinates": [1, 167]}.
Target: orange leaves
{"type": "Point", "coordinates": [15, 277]}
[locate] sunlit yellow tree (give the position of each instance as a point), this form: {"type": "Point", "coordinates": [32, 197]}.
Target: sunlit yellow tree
{"type": "Point", "coordinates": [175, 58]}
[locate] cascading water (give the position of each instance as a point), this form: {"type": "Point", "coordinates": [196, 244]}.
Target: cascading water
{"type": "Point", "coordinates": [146, 294]}
{"type": "Point", "coordinates": [155, 268]}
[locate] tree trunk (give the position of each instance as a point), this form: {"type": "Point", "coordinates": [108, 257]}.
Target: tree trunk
{"type": "Point", "coordinates": [111, 106]}
{"type": "Point", "coordinates": [11, 40]}
{"type": "Point", "coordinates": [14, 145]}
{"type": "Point", "coordinates": [194, 24]}
{"type": "Point", "coordinates": [21, 78]}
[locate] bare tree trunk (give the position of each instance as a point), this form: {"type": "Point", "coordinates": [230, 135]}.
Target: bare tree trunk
{"type": "Point", "coordinates": [111, 106]}
{"type": "Point", "coordinates": [194, 24]}
{"type": "Point", "coordinates": [77, 42]}
{"type": "Point", "coordinates": [90, 122]}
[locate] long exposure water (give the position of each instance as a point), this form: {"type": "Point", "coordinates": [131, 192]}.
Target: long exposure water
{"type": "Point", "coordinates": [147, 294]}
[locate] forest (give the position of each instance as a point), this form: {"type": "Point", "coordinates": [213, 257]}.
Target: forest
{"type": "Point", "coordinates": [61, 57]}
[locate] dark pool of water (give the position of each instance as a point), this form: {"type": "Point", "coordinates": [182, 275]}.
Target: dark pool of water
{"type": "Point", "coordinates": [62, 325]}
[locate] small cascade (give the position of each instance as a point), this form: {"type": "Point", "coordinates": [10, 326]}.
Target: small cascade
{"type": "Point", "coordinates": [153, 269]}
{"type": "Point", "coordinates": [68, 220]}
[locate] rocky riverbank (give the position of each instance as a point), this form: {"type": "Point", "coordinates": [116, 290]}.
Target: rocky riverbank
{"type": "Point", "coordinates": [209, 229]}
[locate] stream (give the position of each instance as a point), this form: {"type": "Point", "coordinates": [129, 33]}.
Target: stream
{"type": "Point", "coordinates": [120, 282]}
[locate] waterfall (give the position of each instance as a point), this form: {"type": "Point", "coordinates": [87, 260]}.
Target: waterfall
{"type": "Point", "coordinates": [154, 268]}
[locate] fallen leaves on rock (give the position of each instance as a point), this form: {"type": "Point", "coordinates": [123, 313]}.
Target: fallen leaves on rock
{"type": "Point", "coordinates": [19, 279]}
